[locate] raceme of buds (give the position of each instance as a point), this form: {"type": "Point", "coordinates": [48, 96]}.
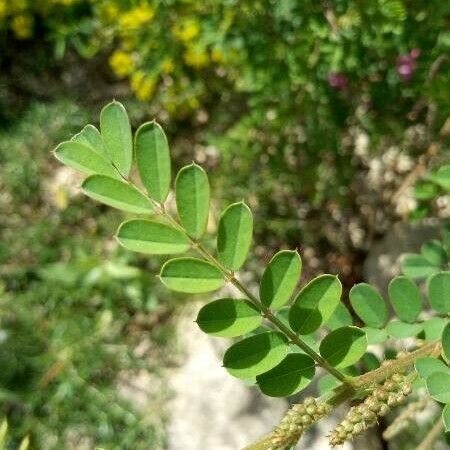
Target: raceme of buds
{"type": "Point", "coordinates": [360, 417]}
{"type": "Point", "coordinates": [300, 417]}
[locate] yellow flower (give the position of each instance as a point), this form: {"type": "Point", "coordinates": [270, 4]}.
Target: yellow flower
{"type": "Point", "coordinates": [144, 87]}
{"type": "Point", "coordinates": [187, 30]}
{"type": "Point", "coordinates": [167, 65]}
{"type": "Point", "coordinates": [136, 17]}
{"type": "Point", "coordinates": [196, 57]}
{"type": "Point", "coordinates": [121, 63]}
{"type": "Point", "coordinates": [217, 55]}
{"type": "Point", "coordinates": [22, 26]}
{"type": "Point", "coordinates": [2, 9]}
{"type": "Point", "coordinates": [109, 12]}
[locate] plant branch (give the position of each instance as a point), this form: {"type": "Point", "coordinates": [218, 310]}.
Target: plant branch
{"type": "Point", "coordinates": [431, 437]}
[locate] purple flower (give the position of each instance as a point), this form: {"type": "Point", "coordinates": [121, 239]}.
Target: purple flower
{"type": "Point", "coordinates": [337, 80]}
{"type": "Point", "coordinates": [407, 64]}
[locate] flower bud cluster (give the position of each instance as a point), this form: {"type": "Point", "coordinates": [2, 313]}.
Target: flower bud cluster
{"type": "Point", "coordinates": [300, 417]}
{"type": "Point", "coordinates": [360, 417]}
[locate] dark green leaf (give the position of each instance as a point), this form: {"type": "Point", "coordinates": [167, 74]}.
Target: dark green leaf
{"type": "Point", "coordinates": [434, 252]}
{"type": "Point", "coordinates": [340, 318]}
{"type": "Point", "coordinates": [428, 365]}
{"type": "Point", "coordinates": [280, 278]}
{"type": "Point", "coordinates": [192, 196]}
{"type": "Point", "coordinates": [315, 304]}
{"type": "Point", "coordinates": [438, 386]}
{"type": "Point", "coordinates": [116, 133]}
{"type": "Point", "coordinates": [292, 375]}
{"type": "Point", "coordinates": [369, 305]}
{"type": "Point", "coordinates": [416, 266]}
{"type": "Point", "coordinates": [344, 346]}
{"type": "Point", "coordinates": [228, 317]}
{"type": "Point", "coordinates": [446, 342]}
{"type": "Point", "coordinates": [153, 160]}
{"type": "Point", "coordinates": [439, 292]}
{"type": "Point", "coordinates": [402, 330]}
{"type": "Point", "coordinates": [117, 194]}
{"type": "Point", "coordinates": [235, 235]}
{"type": "Point", "coordinates": [146, 236]}
{"type": "Point", "coordinates": [191, 275]}
{"type": "Point", "coordinates": [370, 361]}
{"type": "Point", "coordinates": [83, 158]}
{"type": "Point", "coordinates": [256, 354]}
{"type": "Point", "coordinates": [405, 298]}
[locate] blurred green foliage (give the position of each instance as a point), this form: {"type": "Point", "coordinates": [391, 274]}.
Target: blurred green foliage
{"type": "Point", "coordinates": [72, 310]}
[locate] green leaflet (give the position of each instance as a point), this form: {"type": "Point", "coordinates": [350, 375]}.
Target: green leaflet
{"type": "Point", "coordinates": [116, 134]}
{"type": "Point", "coordinates": [81, 157]}
{"type": "Point", "coordinates": [437, 385]}
{"type": "Point", "coordinates": [280, 278]}
{"type": "Point", "coordinates": [428, 365]}
{"type": "Point", "coordinates": [375, 335]}
{"type": "Point", "coordinates": [117, 194]}
{"type": "Point", "coordinates": [150, 237]}
{"type": "Point", "coordinates": [405, 298]}
{"type": "Point", "coordinates": [235, 235]}
{"type": "Point", "coordinates": [292, 375]}
{"type": "Point", "coordinates": [91, 137]}
{"type": "Point", "coordinates": [153, 160]}
{"type": "Point", "coordinates": [192, 197]}
{"type": "Point", "coordinates": [446, 417]}
{"type": "Point", "coordinates": [191, 275]}
{"type": "Point", "coordinates": [433, 328]}
{"type": "Point", "coordinates": [401, 330]}
{"type": "Point", "coordinates": [446, 342]}
{"type": "Point", "coordinates": [228, 317]}
{"type": "Point", "coordinates": [434, 252]}
{"type": "Point", "coordinates": [315, 304]}
{"type": "Point", "coordinates": [417, 266]}
{"type": "Point", "coordinates": [255, 354]}
{"type": "Point", "coordinates": [344, 346]}
{"type": "Point", "coordinates": [340, 318]}
{"type": "Point", "coordinates": [369, 305]}
{"type": "Point", "coordinates": [442, 177]}
{"type": "Point", "coordinates": [439, 292]}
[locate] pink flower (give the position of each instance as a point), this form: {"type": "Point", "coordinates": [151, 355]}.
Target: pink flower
{"type": "Point", "coordinates": [407, 64]}
{"type": "Point", "coordinates": [337, 80]}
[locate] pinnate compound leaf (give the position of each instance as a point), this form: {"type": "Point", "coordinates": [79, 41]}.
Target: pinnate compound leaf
{"type": "Point", "coordinates": [83, 158]}
{"type": "Point", "coordinates": [191, 275]}
{"type": "Point", "coordinates": [344, 346]}
{"type": "Point", "coordinates": [91, 137]}
{"type": "Point", "coordinates": [417, 266]}
{"type": "Point", "coordinates": [228, 317]}
{"type": "Point", "coordinates": [116, 134]}
{"type": "Point", "coordinates": [340, 318]}
{"type": "Point", "coordinates": [368, 305]}
{"type": "Point", "coordinates": [446, 342]}
{"type": "Point", "coordinates": [438, 386]}
{"type": "Point", "coordinates": [117, 194]}
{"type": "Point", "coordinates": [192, 197]}
{"type": "Point", "coordinates": [155, 238]}
{"type": "Point", "coordinates": [292, 375]}
{"type": "Point", "coordinates": [434, 252]}
{"type": "Point", "coordinates": [401, 330]}
{"type": "Point", "coordinates": [235, 235]}
{"type": "Point", "coordinates": [405, 298]}
{"type": "Point", "coordinates": [433, 328]}
{"type": "Point", "coordinates": [153, 160]}
{"type": "Point", "coordinates": [280, 278]}
{"type": "Point", "coordinates": [446, 417]}
{"type": "Point", "coordinates": [315, 304]}
{"type": "Point", "coordinates": [256, 354]}
{"type": "Point", "coordinates": [439, 292]}
{"type": "Point", "coordinates": [428, 365]}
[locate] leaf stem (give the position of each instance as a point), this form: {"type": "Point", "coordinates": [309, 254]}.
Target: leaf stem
{"type": "Point", "coordinates": [430, 438]}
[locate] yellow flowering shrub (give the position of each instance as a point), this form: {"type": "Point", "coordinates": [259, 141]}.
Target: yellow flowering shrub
{"type": "Point", "coordinates": [121, 63]}
{"type": "Point", "coordinates": [22, 26]}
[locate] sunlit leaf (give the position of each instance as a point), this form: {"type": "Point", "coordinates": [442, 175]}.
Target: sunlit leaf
{"type": "Point", "coordinates": [315, 304]}
{"type": "Point", "coordinates": [340, 318]}
{"type": "Point", "coordinates": [91, 137]}
{"type": "Point", "coordinates": [344, 346]}
{"type": "Point", "coordinates": [417, 266]}
{"type": "Point", "coordinates": [235, 235]}
{"type": "Point", "coordinates": [442, 177]}
{"type": "Point", "coordinates": [191, 275]}
{"type": "Point", "coordinates": [192, 196]}
{"type": "Point", "coordinates": [228, 317]}
{"type": "Point", "coordinates": [401, 330]}
{"type": "Point", "coordinates": [375, 335]}
{"type": "Point", "coordinates": [437, 385]}
{"type": "Point", "coordinates": [153, 159]}
{"type": "Point", "coordinates": [256, 354]}
{"type": "Point", "coordinates": [428, 365]}
{"type": "Point", "coordinates": [433, 328]}
{"type": "Point", "coordinates": [117, 194]}
{"type": "Point", "coordinates": [84, 159]}
{"type": "Point", "coordinates": [446, 417]}
{"type": "Point", "coordinates": [439, 292]}
{"type": "Point", "coordinates": [280, 278]}
{"type": "Point", "coordinates": [116, 134]}
{"type": "Point", "coordinates": [369, 305]}
{"type": "Point", "coordinates": [405, 298]}
{"type": "Point", "coordinates": [292, 375]}
{"type": "Point", "coordinates": [146, 236]}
